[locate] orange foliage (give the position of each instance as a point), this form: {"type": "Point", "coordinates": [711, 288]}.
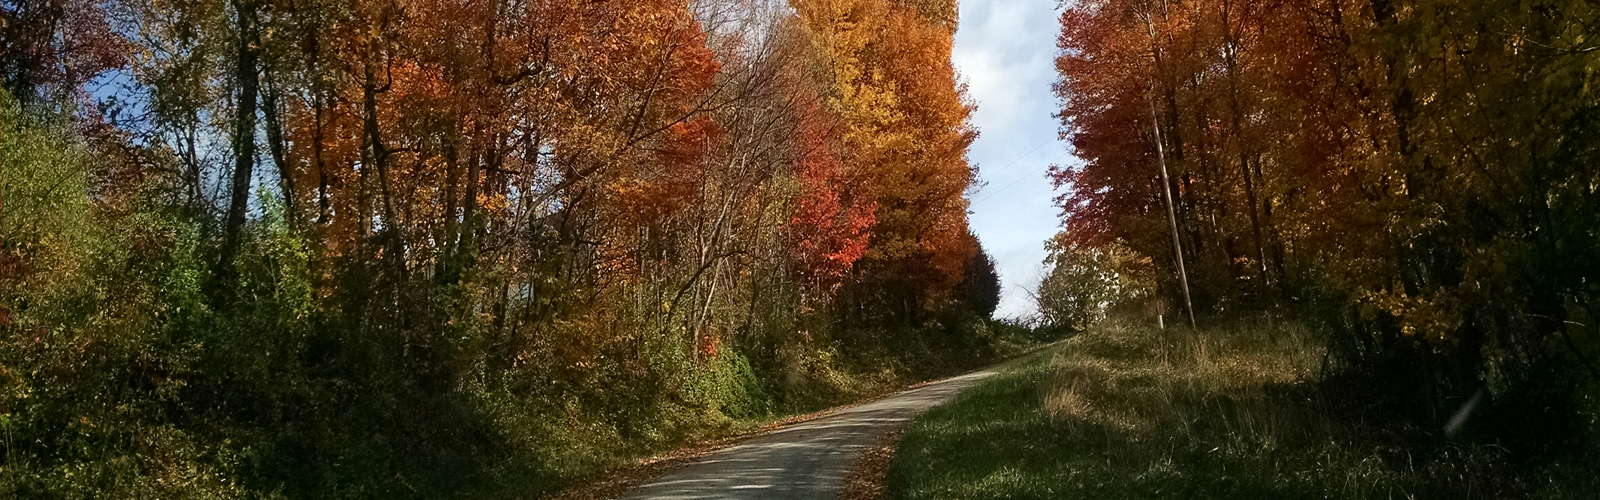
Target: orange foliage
{"type": "Point", "coordinates": [904, 119]}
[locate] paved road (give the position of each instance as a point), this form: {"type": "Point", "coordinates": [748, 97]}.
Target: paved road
{"type": "Point", "coordinates": [808, 460]}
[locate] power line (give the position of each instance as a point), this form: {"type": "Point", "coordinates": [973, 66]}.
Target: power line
{"type": "Point", "coordinates": [1023, 178]}
{"type": "Point", "coordinates": [1024, 156]}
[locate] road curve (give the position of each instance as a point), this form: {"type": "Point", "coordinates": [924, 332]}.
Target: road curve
{"type": "Point", "coordinates": [807, 460]}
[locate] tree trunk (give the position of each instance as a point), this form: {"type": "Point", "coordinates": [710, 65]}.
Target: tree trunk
{"type": "Point", "coordinates": [1231, 61]}
{"type": "Point", "coordinates": [324, 204]}
{"type": "Point", "coordinates": [244, 143]}
{"type": "Point", "coordinates": [275, 145]}
{"type": "Point", "coordinates": [379, 156]}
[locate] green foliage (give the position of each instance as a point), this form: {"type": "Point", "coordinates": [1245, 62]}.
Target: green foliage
{"type": "Point", "coordinates": [46, 210]}
{"type": "Point", "coordinates": [90, 359]}
{"type": "Point", "coordinates": [980, 287]}
{"type": "Point", "coordinates": [1085, 283]}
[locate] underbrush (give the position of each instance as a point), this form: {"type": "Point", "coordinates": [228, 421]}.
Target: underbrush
{"type": "Point", "coordinates": [316, 414]}
{"type": "Point", "coordinates": [1126, 410]}
{"type": "Point", "coordinates": [141, 390]}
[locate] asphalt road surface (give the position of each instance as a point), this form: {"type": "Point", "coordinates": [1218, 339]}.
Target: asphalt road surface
{"type": "Point", "coordinates": [807, 460]}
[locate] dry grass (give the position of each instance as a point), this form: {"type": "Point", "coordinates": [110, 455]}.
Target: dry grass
{"type": "Point", "coordinates": [1130, 411]}
{"type": "Point", "coordinates": [1126, 377]}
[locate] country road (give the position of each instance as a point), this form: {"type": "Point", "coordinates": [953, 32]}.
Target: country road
{"type": "Point", "coordinates": [807, 460]}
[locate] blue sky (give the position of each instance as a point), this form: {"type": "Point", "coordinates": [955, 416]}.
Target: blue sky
{"type": "Point", "coordinates": [1005, 49]}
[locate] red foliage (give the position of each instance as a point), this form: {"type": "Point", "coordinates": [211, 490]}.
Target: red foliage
{"type": "Point", "coordinates": [833, 218]}
{"type": "Point", "coordinates": [56, 46]}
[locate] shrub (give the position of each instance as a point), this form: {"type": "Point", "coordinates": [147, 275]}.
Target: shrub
{"type": "Point", "coordinates": [1085, 283]}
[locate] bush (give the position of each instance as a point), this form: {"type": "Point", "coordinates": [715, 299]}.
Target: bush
{"type": "Point", "coordinates": [1085, 283]}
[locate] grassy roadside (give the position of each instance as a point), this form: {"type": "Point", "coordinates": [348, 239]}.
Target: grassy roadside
{"type": "Point", "coordinates": [1129, 411]}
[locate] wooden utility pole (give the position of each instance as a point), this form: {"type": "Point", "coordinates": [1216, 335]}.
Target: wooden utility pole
{"type": "Point", "coordinates": [1172, 215]}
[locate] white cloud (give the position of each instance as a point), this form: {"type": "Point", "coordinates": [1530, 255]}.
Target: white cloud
{"type": "Point", "coordinates": [1006, 51]}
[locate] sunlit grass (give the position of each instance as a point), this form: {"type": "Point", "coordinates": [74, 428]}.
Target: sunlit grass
{"type": "Point", "coordinates": [1129, 411]}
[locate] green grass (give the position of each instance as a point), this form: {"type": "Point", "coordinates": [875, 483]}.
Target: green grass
{"type": "Point", "coordinates": [1129, 411]}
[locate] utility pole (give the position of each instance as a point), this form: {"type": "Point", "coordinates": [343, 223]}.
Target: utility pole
{"type": "Point", "coordinates": [1172, 215]}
